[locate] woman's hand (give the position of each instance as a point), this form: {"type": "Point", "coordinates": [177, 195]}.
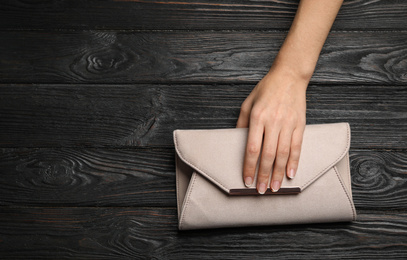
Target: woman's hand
{"type": "Point", "coordinates": [275, 114]}
{"type": "Point", "coordinates": [275, 109]}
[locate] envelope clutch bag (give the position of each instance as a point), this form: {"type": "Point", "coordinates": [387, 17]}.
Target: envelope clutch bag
{"type": "Point", "coordinates": [211, 192]}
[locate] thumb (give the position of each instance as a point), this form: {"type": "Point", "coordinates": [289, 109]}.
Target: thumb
{"type": "Point", "coordinates": [244, 116]}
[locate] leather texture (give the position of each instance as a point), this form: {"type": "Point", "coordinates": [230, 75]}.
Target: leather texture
{"type": "Point", "coordinates": [209, 166]}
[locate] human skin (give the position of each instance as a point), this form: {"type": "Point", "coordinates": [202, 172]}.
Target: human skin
{"type": "Point", "coordinates": [275, 110]}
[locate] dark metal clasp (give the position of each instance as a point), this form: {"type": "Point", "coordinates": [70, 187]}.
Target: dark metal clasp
{"type": "Point", "coordinates": [254, 192]}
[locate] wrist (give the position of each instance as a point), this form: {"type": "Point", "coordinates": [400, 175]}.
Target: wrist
{"type": "Point", "coordinates": [294, 65]}
{"type": "Point", "coordinates": [289, 76]}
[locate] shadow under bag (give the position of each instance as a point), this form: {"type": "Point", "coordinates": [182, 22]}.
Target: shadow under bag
{"type": "Point", "coordinates": [211, 192]}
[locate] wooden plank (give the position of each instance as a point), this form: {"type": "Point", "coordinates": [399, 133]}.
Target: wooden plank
{"type": "Point", "coordinates": [146, 115]}
{"type": "Point", "coordinates": [151, 233]}
{"type": "Point", "coordinates": [190, 14]}
{"type": "Point", "coordinates": [87, 177]}
{"type": "Point", "coordinates": [192, 57]}
{"type": "Point", "coordinates": [144, 177]}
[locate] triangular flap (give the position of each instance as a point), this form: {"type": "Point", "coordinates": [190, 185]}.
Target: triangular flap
{"type": "Point", "coordinates": [323, 147]}
{"type": "Point", "coordinates": [218, 154]}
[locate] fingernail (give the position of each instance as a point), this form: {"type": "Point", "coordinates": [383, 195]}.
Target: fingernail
{"type": "Point", "coordinates": [275, 186]}
{"type": "Point", "coordinates": [248, 181]}
{"type": "Point", "coordinates": [291, 174]}
{"type": "Point", "coordinates": [262, 188]}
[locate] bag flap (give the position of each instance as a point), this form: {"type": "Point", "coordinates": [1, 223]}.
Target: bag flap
{"type": "Point", "coordinates": [218, 154]}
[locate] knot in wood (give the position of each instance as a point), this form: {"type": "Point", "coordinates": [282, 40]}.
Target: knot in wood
{"type": "Point", "coordinates": [55, 174]}
{"type": "Point", "coordinates": [109, 60]}
{"type": "Point", "coordinates": [370, 169]}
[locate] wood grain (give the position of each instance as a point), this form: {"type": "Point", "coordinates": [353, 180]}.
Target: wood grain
{"type": "Point", "coordinates": [91, 90]}
{"type": "Point", "coordinates": [151, 233]}
{"type": "Point", "coordinates": [146, 115]}
{"type": "Point", "coordinates": [87, 177]}
{"type": "Point", "coordinates": [189, 14]}
{"type": "Point", "coordinates": [140, 177]}
{"type": "Point", "coordinates": [379, 179]}
{"type": "Point", "coordinates": [192, 57]}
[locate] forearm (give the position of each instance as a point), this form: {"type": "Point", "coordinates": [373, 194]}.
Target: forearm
{"type": "Point", "coordinates": [309, 30]}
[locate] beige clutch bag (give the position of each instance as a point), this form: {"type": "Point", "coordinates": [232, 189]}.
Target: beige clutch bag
{"type": "Point", "coordinates": [211, 192]}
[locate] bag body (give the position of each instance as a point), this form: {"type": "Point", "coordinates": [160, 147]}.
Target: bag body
{"type": "Point", "coordinates": [211, 192]}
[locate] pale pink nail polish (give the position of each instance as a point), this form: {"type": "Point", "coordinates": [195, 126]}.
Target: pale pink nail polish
{"type": "Point", "coordinates": [248, 181]}
{"type": "Point", "coordinates": [275, 186]}
{"type": "Point", "coordinates": [262, 188]}
{"type": "Point", "coordinates": [291, 174]}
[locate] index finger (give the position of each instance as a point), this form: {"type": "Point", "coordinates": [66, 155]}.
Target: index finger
{"type": "Point", "coordinates": [252, 152]}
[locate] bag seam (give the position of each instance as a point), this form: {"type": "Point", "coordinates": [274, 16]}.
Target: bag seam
{"type": "Point", "coordinates": [348, 165]}
{"type": "Point", "coordinates": [185, 207]}
{"type": "Point", "coordinates": [334, 162]}
{"type": "Point", "coordinates": [347, 195]}
{"type": "Point", "coordinates": [177, 183]}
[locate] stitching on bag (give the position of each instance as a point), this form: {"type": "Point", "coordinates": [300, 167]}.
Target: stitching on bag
{"type": "Point", "coordinates": [348, 165]}
{"type": "Point", "coordinates": [177, 181]}
{"type": "Point", "coordinates": [196, 167]}
{"type": "Point", "coordinates": [181, 221]}
{"type": "Point", "coordinates": [346, 193]}
{"type": "Point", "coordinates": [332, 164]}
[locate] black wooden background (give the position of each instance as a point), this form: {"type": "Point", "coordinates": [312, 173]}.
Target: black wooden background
{"type": "Point", "coordinates": [90, 92]}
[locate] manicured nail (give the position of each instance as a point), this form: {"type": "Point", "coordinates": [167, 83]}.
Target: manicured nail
{"type": "Point", "coordinates": [275, 186]}
{"type": "Point", "coordinates": [291, 174]}
{"type": "Point", "coordinates": [262, 188]}
{"type": "Point", "coordinates": [248, 181]}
